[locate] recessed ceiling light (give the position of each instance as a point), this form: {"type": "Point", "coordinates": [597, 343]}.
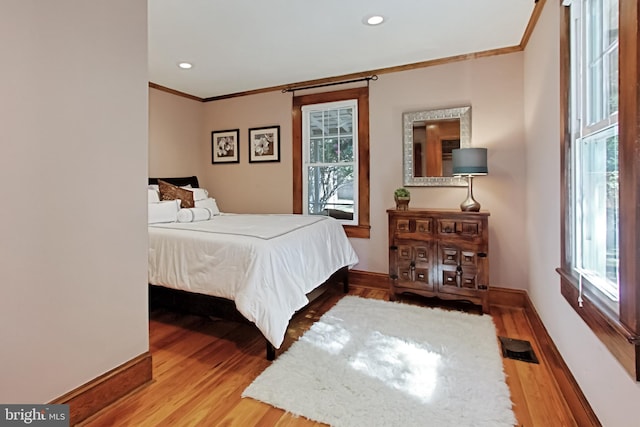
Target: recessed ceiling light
{"type": "Point", "coordinates": [185, 65]}
{"type": "Point", "coordinates": [373, 19]}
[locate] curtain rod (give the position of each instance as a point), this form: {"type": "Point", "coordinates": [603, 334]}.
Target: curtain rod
{"type": "Point", "coordinates": [373, 77]}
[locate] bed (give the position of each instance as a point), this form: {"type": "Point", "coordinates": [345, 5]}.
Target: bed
{"type": "Point", "coordinates": [262, 267]}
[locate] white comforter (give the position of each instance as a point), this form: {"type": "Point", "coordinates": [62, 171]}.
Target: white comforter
{"type": "Point", "coordinates": [265, 263]}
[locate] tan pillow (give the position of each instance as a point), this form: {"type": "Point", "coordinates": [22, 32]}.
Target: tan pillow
{"type": "Point", "coordinates": [172, 192]}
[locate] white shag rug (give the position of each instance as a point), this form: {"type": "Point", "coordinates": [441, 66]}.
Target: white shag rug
{"type": "Point", "coordinates": [376, 363]}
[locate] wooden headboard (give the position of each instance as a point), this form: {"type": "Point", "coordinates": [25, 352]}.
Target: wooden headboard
{"type": "Point", "coordinates": [179, 181]}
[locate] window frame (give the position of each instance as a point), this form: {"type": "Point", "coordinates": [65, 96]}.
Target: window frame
{"type": "Point", "coordinates": [362, 230]}
{"type": "Point", "coordinates": [306, 141]}
{"type": "Point", "coordinates": [619, 332]}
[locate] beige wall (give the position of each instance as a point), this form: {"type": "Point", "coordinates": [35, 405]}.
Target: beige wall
{"type": "Point", "coordinates": [610, 390]}
{"type": "Point", "coordinates": [492, 86]}
{"type": "Point", "coordinates": [250, 187]}
{"type": "Point", "coordinates": [73, 161]}
{"type": "Point", "coordinates": [175, 127]}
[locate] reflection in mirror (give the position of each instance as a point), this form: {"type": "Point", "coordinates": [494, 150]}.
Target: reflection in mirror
{"type": "Point", "coordinates": [433, 141]}
{"type": "Point", "coordinates": [429, 138]}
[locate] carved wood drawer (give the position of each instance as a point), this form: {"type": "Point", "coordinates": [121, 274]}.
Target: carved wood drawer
{"type": "Point", "coordinates": [409, 273]}
{"type": "Point", "coordinates": [413, 253]}
{"type": "Point", "coordinates": [411, 225]}
{"type": "Point", "coordinates": [422, 253]}
{"type": "Point", "coordinates": [469, 228]}
{"type": "Point", "coordinates": [446, 226]}
{"type": "Point", "coordinates": [403, 225]}
{"type": "Point", "coordinates": [468, 258]}
{"type": "Point", "coordinates": [467, 280]}
{"type": "Point", "coordinates": [404, 252]}
{"type": "Point", "coordinates": [423, 226]}
{"type": "Point", "coordinates": [449, 256]}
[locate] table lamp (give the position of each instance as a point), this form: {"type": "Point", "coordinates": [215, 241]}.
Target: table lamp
{"type": "Point", "coordinates": [470, 162]}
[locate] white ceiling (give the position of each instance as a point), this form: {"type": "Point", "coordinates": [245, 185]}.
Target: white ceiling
{"type": "Point", "coordinates": [242, 45]}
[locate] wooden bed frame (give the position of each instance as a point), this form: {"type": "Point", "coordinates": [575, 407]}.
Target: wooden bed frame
{"type": "Point", "coordinates": [206, 305]}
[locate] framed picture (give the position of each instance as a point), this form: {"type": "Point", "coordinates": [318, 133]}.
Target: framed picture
{"type": "Point", "coordinates": [264, 144]}
{"type": "Point", "coordinates": [224, 146]}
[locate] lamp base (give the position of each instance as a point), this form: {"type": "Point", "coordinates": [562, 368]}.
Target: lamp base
{"type": "Point", "coordinates": [470, 204]}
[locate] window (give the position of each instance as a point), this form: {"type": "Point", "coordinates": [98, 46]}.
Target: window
{"type": "Point", "coordinates": [329, 160]}
{"type": "Point", "coordinates": [593, 148]}
{"type": "Point", "coordinates": [331, 157]}
{"type": "Point", "coordinates": [600, 246]}
{"type": "Point", "coordinates": [595, 217]}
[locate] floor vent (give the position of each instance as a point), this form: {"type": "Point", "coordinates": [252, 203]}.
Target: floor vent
{"type": "Point", "coordinates": [518, 350]}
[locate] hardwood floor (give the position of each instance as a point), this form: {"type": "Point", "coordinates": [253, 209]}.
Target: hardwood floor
{"type": "Point", "coordinates": [201, 366]}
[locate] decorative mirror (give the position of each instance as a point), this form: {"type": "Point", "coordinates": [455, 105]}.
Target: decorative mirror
{"type": "Point", "coordinates": [429, 136]}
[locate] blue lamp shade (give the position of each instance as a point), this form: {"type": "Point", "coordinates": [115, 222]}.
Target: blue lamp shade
{"type": "Point", "coordinates": [470, 161]}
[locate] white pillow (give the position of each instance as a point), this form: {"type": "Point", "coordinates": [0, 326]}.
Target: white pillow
{"type": "Point", "coordinates": [153, 195]}
{"type": "Point", "coordinates": [210, 204]}
{"type": "Point", "coordinates": [194, 214]}
{"type": "Point", "coordinates": [166, 211]}
{"type": "Point", "coordinates": [199, 193]}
